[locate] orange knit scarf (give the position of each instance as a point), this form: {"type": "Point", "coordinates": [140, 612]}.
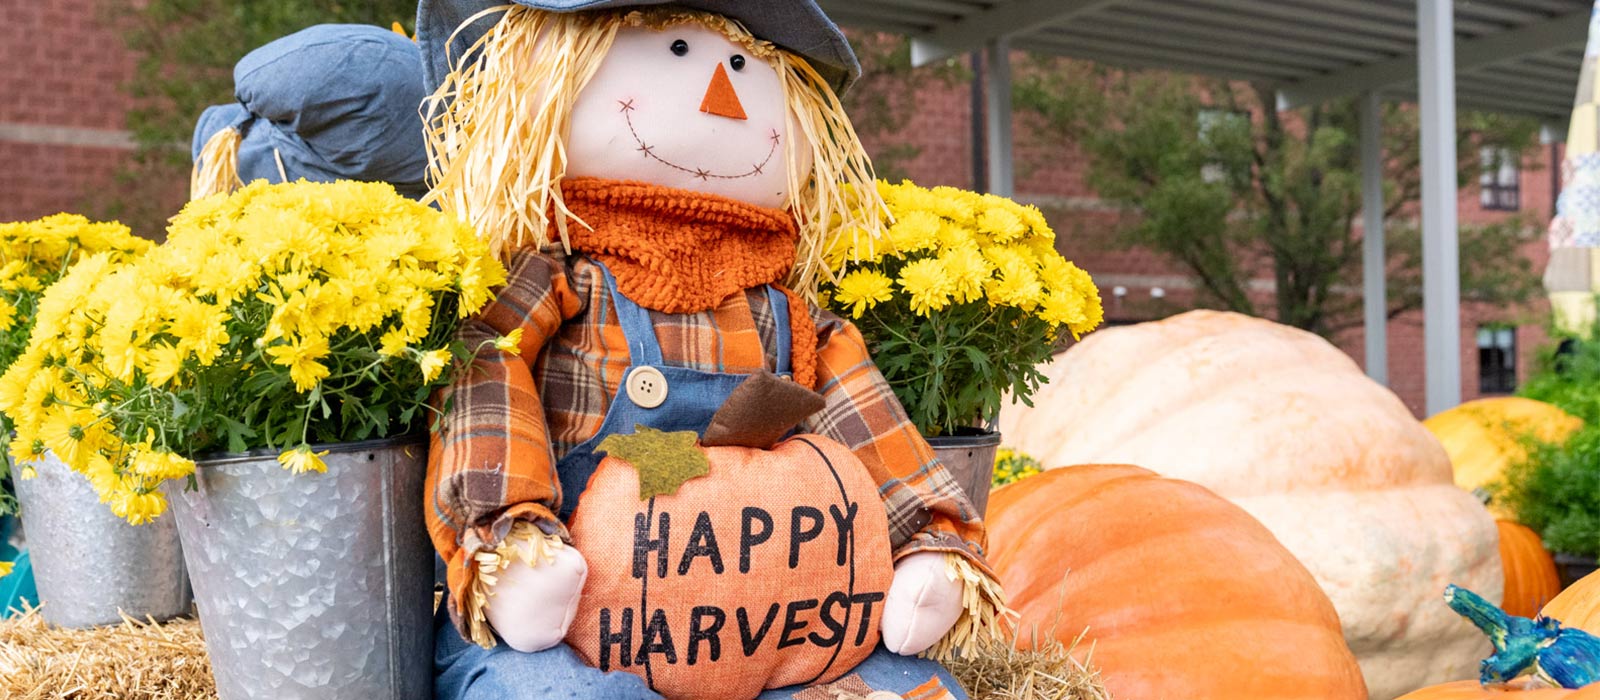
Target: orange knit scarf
{"type": "Point", "coordinates": [677, 251]}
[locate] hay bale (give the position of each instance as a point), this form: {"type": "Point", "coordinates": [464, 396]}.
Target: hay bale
{"type": "Point", "coordinates": [995, 669]}
{"type": "Point", "coordinates": [132, 661]}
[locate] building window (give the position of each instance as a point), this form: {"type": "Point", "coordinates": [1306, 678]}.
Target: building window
{"type": "Point", "coordinates": [1210, 121]}
{"type": "Point", "coordinates": [1500, 184]}
{"type": "Point", "coordinates": [1497, 359]}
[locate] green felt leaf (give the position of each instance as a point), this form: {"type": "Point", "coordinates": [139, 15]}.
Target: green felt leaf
{"type": "Point", "coordinates": [664, 460]}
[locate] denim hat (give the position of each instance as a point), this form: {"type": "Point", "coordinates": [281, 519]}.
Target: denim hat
{"type": "Point", "coordinates": [796, 25]}
{"type": "Point", "coordinates": [331, 102]}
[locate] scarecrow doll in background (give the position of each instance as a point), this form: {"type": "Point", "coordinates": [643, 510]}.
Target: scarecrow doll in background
{"type": "Point", "coordinates": [667, 473]}
{"type": "Point", "coordinates": [330, 102]}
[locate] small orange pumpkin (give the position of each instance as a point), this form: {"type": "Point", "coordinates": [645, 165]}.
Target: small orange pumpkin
{"type": "Point", "coordinates": [768, 570]}
{"type": "Point", "coordinates": [1182, 594]}
{"type": "Point", "coordinates": [1531, 578]}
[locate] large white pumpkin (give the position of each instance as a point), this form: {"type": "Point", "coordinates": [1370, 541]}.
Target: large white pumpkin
{"type": "Point", "coordinates": [1285, 425]}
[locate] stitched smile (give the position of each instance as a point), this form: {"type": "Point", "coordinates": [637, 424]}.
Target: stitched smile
{"type": "Point", "coordinates": [650, 151]}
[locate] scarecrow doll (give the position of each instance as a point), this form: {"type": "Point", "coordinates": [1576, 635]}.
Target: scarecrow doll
{"type": "Point", "coordinates": [329, 102]}
{"type": "Point", "coordinates": [667, 473]}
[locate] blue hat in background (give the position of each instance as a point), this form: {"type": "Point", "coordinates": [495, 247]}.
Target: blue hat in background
{"type": "Point", "coordinates": [797, 25]}
{"type": "Point", "coordinates": [331, 102]}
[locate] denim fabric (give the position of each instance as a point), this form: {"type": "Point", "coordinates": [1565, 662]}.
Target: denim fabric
{"type": "Point", "coordinates": [465, 671]}
{"type": "Point", "coordinates": [693, 397]}
{"type": "Point", "coordinates": [333, 102]}
{"type": "Point", "coordinates": [797, 25]}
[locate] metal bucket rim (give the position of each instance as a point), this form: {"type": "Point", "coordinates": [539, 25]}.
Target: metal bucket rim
{"type": "Point", "coordinates": [985, 439]}
{"type": "Point", "coordinates": [224, 458]}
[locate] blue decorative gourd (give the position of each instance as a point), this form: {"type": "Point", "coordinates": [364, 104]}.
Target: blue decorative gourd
{"type": "Point", "coordinates": [1563, 657]}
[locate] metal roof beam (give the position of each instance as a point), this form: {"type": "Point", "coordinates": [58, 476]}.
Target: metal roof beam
{"type": "Point", "coordinates": [1571, 28]}
{"type": "Point", "coordinates": [1289, 29]}
{"type": "Point", "coordinates": [1292, 64]}
{"type": "Point", "coordinates": [1004, 19]}
{"type": "Point", "coordinates": [1145, 56]}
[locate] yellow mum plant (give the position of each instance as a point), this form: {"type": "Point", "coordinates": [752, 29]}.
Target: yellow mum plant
{"type": "Point", "coordinates": [1011, 466]}
{"type": "Point", "coordinates": [960, 301]}
{"type": "Point", "coordinates": [33, 255]}
{"type": "Point", "coordinates": [278, 317]}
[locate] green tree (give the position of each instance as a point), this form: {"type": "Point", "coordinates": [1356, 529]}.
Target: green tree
{"type": "Point", "coordinates": [1212, 176]}
{"type": "Point", "coordinates": [185, 51]}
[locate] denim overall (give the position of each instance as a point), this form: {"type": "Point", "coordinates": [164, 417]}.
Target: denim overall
{"type": "Point", "coordinates": [465, 671]}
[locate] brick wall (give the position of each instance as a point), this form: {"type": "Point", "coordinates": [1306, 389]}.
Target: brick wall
{"type": "Point", "coordinates": [61, 122]}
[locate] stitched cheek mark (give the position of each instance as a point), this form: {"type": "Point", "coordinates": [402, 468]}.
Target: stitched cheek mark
{"type": "Point", "coordinates": [626, 108]}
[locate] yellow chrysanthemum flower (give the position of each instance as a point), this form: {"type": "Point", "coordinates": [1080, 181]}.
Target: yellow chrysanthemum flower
{"type": "Point", "coordinates": [1002, 224]}
{"type": "Point", "coordinates": [136, 507]}
{"type": "Point", "coordinates": [928, 285]}
{"type": "Point", "coordinates": [510, 342]}
{"type": "Point", "coordinates": [1016, 285]}
{"type": "Point", "coordinates": [8, 315]}
{"type": "Point", "coordinates": [160, 464]}
{"type": "Point", "coordinates": [6, 568]}
{"type": "Point", "coordinates": [393, 343]}
{"type": "Point", "coordinates": [433, 363]}
{"type": "Point", "coordinates": [968, 272]}
{"type": "Point", "coordinates": [301, 460]}
{"type": "Point", "coordinates": [303, 358]}
{"type": "Point", "coordinates": [917, 230]}
{"type": "Point", "coordinates": [863, 289]}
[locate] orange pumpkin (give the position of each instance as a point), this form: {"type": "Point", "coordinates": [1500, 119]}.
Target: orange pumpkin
{"type": "Point", "coordinates": [1531, 578]}
{"type": "Point", "coordinates": [1182, 594]}
{"type": "Point", "coordinates": [1579, 605]}
{"type": "Point", "coordinates": [1521, 690]}
{"type": "Point", "coordinates": [768, 570]}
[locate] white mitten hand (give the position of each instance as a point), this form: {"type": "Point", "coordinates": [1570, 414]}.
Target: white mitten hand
{"type": "Point", "coordinates": [923, 604]}
{"type": "Point", "coordinates": [531, 607]}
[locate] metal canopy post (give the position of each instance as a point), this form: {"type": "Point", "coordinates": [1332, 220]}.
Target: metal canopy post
{"type": "Point", "coordinates": [997, 89]}
{"type": "Point", "coordinates": [1374, 287]}
{"type": "Point", "coordinates": [1441, 266]}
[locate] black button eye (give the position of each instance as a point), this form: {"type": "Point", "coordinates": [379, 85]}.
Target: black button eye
{"type": "Point", "coordinates": [737, 62]}
{"type": "Point", "coordinates": [680, 48]}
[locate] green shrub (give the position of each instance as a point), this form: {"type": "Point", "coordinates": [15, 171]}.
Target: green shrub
{"type": "Point", "coordinates": [1556, 491]}
{"type": "Point", "coordinates": [1570, 380]}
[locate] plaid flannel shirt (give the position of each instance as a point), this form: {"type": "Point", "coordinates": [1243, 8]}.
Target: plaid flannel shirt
{"type": "Point", "coordinates": [513, 415]}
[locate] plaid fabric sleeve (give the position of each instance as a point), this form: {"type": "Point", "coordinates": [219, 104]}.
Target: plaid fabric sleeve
{"type": "Point", "coordinates": [490, 462]}
{"type": "Point", "coordinates": [927, 509]}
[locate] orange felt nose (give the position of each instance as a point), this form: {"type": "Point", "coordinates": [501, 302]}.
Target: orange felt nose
{"type": "Point", "coordinates": [721, 99]}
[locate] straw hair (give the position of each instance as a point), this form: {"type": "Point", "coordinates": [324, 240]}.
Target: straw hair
{"type": "Point", "coordinates": [497, 125]}
{"type": "Point", "coordinates": [216, 171]}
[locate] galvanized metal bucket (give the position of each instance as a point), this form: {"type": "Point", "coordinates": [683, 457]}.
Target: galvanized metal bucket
{"type": "Point", "coordinates": [970, 459]}
{"type": "Point", "coordinates": [313, 586]}
{"type": "Point", "coordinates": [91, 566]}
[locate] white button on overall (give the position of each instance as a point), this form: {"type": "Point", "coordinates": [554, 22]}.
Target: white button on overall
{"type": "Point", "coordinates": [647, 388]}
